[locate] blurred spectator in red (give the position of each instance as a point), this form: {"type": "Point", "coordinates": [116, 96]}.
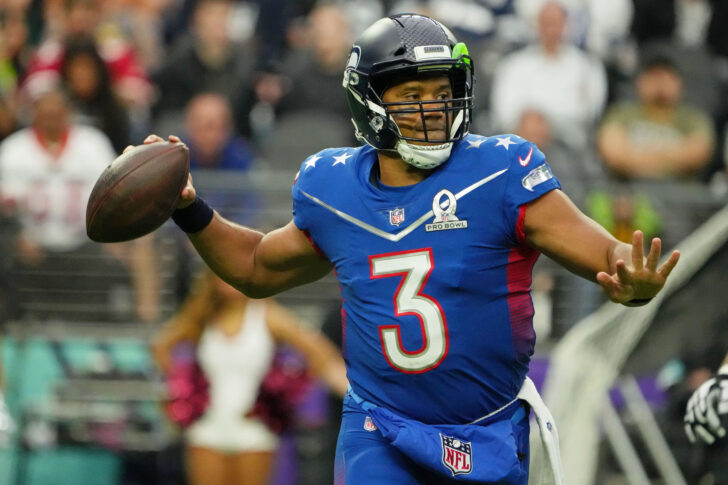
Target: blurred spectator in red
{"type": "Point", "coordinates": [142, 22]}
{"type": "Point", "coordinates": [88, 82]}
{"type": "Point", "coordinates": [86, 18]}
{"type": "Point", "coordinates": [208, 60]}
{"type": "Point", "coordinates": [565, 84]}
{"type": "Point", "coordinates": [47, 172]}
{"type": "Point", "coordinates": [657, 136]}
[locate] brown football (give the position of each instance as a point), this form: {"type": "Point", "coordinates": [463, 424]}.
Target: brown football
{"type": "Point", "coordinates": [137, 192]}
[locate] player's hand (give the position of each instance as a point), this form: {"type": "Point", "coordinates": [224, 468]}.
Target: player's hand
{"type": "Point", "coordinates": [641, 280]}
{"type": "Point", "coordinates": [707, 410]}
{"type": "Point", "coordinates": [154, 139]}
{"type": "Point", "coordinates": [188, 194]}
{"type": "Point", "coordinates": [188, 191]}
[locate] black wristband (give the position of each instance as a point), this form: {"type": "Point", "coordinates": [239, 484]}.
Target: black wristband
{"type": "Point", "coordinates": [637, 302]}
{"type": "Point", "coordinates": [195, 217]}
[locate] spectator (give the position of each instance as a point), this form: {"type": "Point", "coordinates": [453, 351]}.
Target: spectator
{"type": "Point", "coordinates": [86, 18]}
{"type": "Point", "coordinates": [215, 147]}
{"type": "Point", "coordinates": [13, 53]}
{"type": "Point", "coordinates": [206, 61]}
{"type": "Point", "coordinates": [46, 175]}
{"type": "Point", "coordinates": [234, 440]}
{"type": "Point", "coordinates": [595, 25]}
{"type": "Point", "coordinates": [658, 136]}
{"type": "Point", "coordinates": [315, 69]}
{"type": "Point", "coordinates": [142, 22]}
{"type": "Point", "coordinates": [562, 82]}
{"type": "Point", "coordinates": [211, 139]}
{"type": "Point", "coordinates": [302, 91]}
{"type": "Point", "coordinates": [88, 82]}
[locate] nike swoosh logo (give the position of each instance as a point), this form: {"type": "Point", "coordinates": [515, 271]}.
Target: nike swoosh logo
{"type": "Point", "coordinates": [527, 160]}
{"type": "Point", "coordinates": [407, 230]}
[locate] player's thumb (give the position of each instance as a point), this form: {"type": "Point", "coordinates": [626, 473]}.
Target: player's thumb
{"type": "Point", "coordinates": [188, 194]}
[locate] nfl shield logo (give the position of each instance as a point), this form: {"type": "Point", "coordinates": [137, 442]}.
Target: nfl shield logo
{"type": "Point", "coordinates": [457, 455]}
{"type": "Point", "coordinates": [396, 216]}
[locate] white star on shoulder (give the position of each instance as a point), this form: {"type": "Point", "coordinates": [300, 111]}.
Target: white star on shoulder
{"type": "Point", "coordinates": [341, 159]}
{"type": "Point", "coordinates": [475, 143]}
{"type": "Point", "coordinates": [505, 142]}
{"type": "Point", "coordinates": [311, 162]}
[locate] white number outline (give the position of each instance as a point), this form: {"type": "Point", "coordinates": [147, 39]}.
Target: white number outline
{"type": "Point", "coordinates": [414, 267]}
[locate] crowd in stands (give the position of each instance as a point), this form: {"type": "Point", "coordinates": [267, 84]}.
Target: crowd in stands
{"type": "Point", "coordinates": [625, 97]}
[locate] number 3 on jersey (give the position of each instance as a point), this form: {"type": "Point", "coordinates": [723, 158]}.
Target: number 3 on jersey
{"type": "Point", "coordinates": [414, 267]}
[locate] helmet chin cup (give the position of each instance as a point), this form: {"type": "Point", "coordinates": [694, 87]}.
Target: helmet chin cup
{"type": "Point", "coordinates": [424, 157]}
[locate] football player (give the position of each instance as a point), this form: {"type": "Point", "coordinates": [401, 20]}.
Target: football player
{"type": "Point", "coordinates": [706, 415]}
{"type": "Point", "coordinates": [433, 232]}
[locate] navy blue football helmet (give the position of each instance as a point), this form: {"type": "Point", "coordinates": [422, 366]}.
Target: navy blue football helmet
{"type": "Point", "coordinates": [395, 49]}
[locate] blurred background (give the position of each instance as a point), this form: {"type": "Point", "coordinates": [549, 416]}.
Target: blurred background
{"type": "Point", "coordinates": [627, 98]}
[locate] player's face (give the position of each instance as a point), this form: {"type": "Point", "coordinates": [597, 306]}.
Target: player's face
{"type": "Point", "coordinates": [432, 124]}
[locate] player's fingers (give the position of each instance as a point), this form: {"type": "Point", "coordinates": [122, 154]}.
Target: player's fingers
{"type": "Point", "coordinates": [653, 257]}
{"type": "Point", "coordinates": [704, 434]}
{"type": "Point", "coordinates": [668, 265]}
{"type": "Point", "coordinates": [129, 147]}
{"type": "Point", "coordinates": [174, 138]}
{"type": "Point", "coordinates": [188, 194]}
{"type": "Point", "coordinates": [638, 252]}
{"type": "Point", "coordinates": [152, 139]}
{"type": "Point", "coordinates": [605, 280]}
{"type": "Point", "coordinates": [624, 274]}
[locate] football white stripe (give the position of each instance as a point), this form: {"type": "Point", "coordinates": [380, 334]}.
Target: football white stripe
{"type": "Point", "coordinates": [398, 236]}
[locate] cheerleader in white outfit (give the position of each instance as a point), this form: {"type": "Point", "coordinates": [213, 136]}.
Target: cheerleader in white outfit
{"type": "Point", "coordinates": [235, 341]}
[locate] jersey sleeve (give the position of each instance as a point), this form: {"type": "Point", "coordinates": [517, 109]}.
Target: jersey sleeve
{"type": "Point", "coordinates": [304, 182]}
{"type": "Point", "coordinates": [529, 177]}
{"type": "Point", "coordinates": [299, 203]}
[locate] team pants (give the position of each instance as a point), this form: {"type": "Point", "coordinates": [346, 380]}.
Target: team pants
{"type": "Point", "coordinates": [363, 457]}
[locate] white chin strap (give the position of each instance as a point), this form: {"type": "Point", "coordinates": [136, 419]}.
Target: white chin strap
{"type": "Point", "coordinates": [428, 156]}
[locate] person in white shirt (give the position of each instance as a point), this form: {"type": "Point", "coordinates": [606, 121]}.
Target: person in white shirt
{"type": "Point", "coordinates": [47, 172]}
{"type": "Point", "coordinates": [557, 79]}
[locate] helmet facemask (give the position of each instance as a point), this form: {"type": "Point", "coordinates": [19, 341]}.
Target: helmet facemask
{"type": "Point", "coordinates": [430, 150]}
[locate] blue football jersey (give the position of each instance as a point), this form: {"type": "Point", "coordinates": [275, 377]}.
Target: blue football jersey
{"type": "Point", "coordinates": [435, 277]}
